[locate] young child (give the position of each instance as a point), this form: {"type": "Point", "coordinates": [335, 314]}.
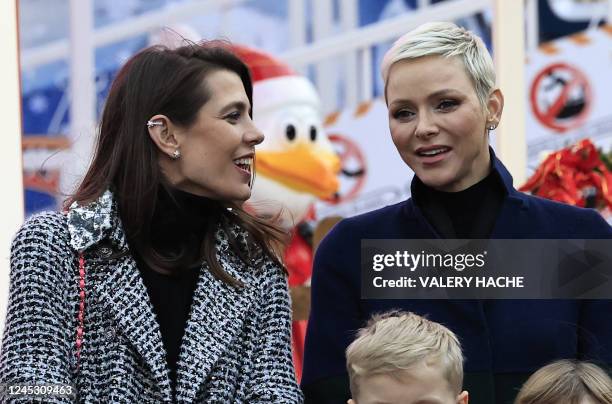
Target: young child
{"type": "Point", "coordinates": [567, 381]}
{"type": "Point", "coordinates": [402, 358]}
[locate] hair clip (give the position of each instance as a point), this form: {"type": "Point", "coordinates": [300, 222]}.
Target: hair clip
{"type": "Point", "coordinates": [151, 124]}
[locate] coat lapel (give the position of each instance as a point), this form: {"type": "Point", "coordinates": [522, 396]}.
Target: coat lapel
{"type": "Point", "coordinates": [123, 294]}
{"type": "Point", "coordinates": [217, 313]}
{"type": "Point", "coordinates": [512, 221]}
{"type": "Point", "coordinates": [117, 283]}
{"type": "Point", "coordinates": [217, 316]}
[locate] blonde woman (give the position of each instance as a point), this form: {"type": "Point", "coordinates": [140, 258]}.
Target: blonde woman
{"type": "Point", "coordinates": [443, 102]}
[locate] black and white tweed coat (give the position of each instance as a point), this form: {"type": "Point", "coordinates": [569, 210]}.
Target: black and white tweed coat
{"type": "Point", "coordinates": [236, 347]}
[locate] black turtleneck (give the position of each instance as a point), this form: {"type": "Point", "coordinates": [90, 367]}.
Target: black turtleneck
{"type": "Point", "coordinates": [470, 213]}
{"type": "Point", "coordinates": [178, 227]}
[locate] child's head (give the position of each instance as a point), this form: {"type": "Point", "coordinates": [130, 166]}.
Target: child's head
{"type": "Point", "coordinates": [400, 357]}
{"type": "Point", "coordinates": [567, 382]}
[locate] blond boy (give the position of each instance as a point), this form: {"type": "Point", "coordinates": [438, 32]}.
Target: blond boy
{"type": "Point", "coordinates": [402, 358]}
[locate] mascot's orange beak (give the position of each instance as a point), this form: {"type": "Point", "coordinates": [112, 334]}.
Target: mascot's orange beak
{"type": "Point", "coordinates": [303, 168]}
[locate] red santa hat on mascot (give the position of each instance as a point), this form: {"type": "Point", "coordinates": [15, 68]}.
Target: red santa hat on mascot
{"type": "Point", "coordinates": [275, 84]}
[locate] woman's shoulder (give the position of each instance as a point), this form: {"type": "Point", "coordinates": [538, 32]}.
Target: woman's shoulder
{"type": "Point", "coordinates": [389, 213]}
{"type": "Point", "coordinates": [41, 257]}
{"type": "Point", "coordinates": [46, 226]}
{"type": "Point", "coordinates": [44, 233]}
{"type": "Point", "coordinates": [384, 221]}
{"type": "Point", "coordinates": [581, 222]}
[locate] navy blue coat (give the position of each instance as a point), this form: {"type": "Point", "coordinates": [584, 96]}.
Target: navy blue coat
{"type": "Point", "coordinates": [497, 336]}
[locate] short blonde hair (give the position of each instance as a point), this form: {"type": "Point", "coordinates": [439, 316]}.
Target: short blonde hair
{"type": "Point", "coordinates": [566, 381]}
{"type": "Point", "coordinates": [446, 39]}
{"type": "Point", "coordinates": [398, 340]}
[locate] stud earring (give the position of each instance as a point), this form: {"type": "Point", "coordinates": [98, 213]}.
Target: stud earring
{"type": "Point", "coordinates": [176, 155]}
{"type": "Point", "coordinates": [151, 124]}
{"type": "Point", "coordinates": [492, 126]}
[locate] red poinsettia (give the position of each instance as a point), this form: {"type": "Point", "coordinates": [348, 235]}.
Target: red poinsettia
{"type": "Point", "coordinates": [575, 175]}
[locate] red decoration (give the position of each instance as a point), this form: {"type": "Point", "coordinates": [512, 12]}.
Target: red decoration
{"type": "Point", "coordinates": [298, 259]}
{"type": "Point", "coordinates": [262, 65]}
{"type": "Point", "coordinates": [575, 175]}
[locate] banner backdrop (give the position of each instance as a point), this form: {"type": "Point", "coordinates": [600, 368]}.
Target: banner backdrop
{"type": "Point", "coordinates": [570, 93]}
{"type": "Point", "coordinates": [373, 174]}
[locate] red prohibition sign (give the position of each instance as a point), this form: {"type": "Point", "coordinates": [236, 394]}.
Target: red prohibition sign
{"type": "Point", "coordinates": [350, 151]}
{"type": "Point", "coordinates": [569, 97]}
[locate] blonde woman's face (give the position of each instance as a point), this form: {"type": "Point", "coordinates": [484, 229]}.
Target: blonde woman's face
{"type": "Point", "coordinates": [422, 384]}
{"type": "Point", "coordinates": [437, 123]}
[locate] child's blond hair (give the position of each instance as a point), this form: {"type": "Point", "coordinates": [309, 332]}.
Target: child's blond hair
{"type": "Point", "coordinates": [398, 340]}
{"type": "Point", "coordinates": [566, 381]}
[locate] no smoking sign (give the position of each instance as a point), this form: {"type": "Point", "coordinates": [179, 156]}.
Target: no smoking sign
{"type": "Point", "coordinates": [561, 97]}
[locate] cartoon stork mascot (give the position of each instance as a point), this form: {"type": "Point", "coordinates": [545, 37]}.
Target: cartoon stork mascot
{"type": "Point", "coordinates": [295, 166]}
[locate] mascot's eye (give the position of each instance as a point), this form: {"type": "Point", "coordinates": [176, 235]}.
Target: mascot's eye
{"type": "Point", "coordinates": [313, 133]}
{"type": "Point", "coordinates": [290, 132]}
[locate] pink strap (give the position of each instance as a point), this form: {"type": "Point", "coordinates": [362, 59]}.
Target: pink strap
{"type": "Point", "coordinates": [80, 318]}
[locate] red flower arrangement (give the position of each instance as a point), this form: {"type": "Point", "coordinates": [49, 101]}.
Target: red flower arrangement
{"type": "Point", "coordinates": [577, 175]}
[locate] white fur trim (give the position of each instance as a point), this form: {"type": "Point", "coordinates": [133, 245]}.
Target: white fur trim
{"type": "Point", "coordinates": [283, 91]}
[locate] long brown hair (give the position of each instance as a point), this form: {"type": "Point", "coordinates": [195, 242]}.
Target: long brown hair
{"type": "Point", "coordinates": [159, 80]}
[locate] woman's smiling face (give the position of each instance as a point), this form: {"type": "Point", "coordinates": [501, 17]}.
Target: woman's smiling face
{"type": "Point", "coordinates": [438, 124]}
{"type": "Point", "coordinates": [218, 149]}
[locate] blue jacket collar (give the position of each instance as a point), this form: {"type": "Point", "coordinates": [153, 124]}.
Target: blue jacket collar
{"type": "Point", "coordinates": [512, 196]}
{"type": "Point", "coordinates": [498, 168]}
{"type": "Point", "coordinates": [503, 173]}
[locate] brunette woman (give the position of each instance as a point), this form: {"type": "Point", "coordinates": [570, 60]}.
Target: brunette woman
{"type": "Point", "coordinates": [154, 285]}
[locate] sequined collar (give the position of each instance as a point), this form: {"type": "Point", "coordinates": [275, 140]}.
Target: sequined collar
{"type": "Point", "coordinates": [99, 220]}
{"type": "Point", "coordinates": [89, 224]}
